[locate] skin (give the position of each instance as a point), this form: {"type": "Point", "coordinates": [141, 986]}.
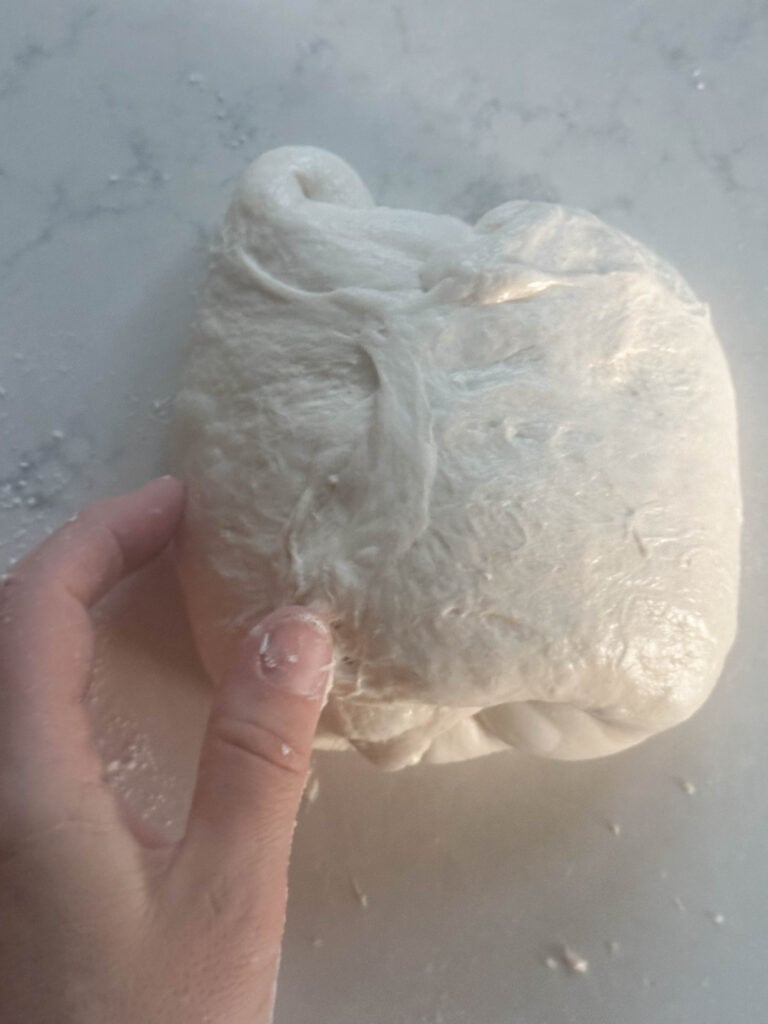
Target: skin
{"type": "Point", "coordinates": [99, 924]}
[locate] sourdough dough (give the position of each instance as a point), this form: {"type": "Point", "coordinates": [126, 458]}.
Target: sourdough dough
{"type": "Point", "coordinates": [502, 457]}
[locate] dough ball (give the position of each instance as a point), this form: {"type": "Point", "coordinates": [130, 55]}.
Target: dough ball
{"type": "Point", "coordinates": [501, 457]}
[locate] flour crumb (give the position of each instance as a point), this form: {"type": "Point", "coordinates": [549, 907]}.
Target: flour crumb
{"type": "Point", "coordinates": [614, 827]}
{"type": "Point", "coordinates": [576, 964]}
{"type": "Point", "coordinates": [717, 918]}
{"type": "Point", "coordinates": [362, 897]}
{"type": "Point", "coordinates": [569, 959]}
{"type": "Point", "coordinates": [687, 787]}
{"type": "Point", "coordinates": [285, 750]}
{"type": "Point", "coordinates": [313, 789]}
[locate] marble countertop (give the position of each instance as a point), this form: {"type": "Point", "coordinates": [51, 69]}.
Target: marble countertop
{"type": "Point", "coordinates": [122, 129]}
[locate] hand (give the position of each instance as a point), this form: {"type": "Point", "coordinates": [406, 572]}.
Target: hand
{"type": "Point", "coordinates": [96, 926]}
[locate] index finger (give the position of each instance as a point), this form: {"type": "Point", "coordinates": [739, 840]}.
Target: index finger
{"type": "Point", "coordinates": [46, 637]}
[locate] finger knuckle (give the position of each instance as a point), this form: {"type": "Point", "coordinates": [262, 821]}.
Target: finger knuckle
{"type": "Point", "coordinates": [256, 742]}
{"type": "Point", "coordinates": [226, 904]}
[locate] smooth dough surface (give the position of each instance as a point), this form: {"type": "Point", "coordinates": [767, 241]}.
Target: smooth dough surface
{"type": "Point", "coordinates": [502, 457]}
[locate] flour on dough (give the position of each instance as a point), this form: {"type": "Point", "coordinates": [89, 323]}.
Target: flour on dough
{"type": "Point", "coordinates": [502, 457]}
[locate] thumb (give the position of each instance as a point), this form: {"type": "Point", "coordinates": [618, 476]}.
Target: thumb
{"type": "Point", "coordinates": [256, 751]}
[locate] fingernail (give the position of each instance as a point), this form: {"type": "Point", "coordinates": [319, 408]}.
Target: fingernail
{"type": "Point", "coordinates": [294, 653]}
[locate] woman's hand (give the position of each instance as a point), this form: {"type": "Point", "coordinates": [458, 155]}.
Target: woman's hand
{"type": "Point", "coordinates": [95, 927]}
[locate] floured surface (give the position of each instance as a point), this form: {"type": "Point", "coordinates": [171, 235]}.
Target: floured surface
{"type": "Point", "coordinates": [502, 458]}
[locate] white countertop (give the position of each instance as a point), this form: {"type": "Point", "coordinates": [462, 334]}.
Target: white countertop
{"type": "Point", "coordinates": [122, 128]}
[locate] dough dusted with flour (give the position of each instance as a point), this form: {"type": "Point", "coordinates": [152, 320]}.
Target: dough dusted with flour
{"type": "Point", "coordinates": [502, 457]}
